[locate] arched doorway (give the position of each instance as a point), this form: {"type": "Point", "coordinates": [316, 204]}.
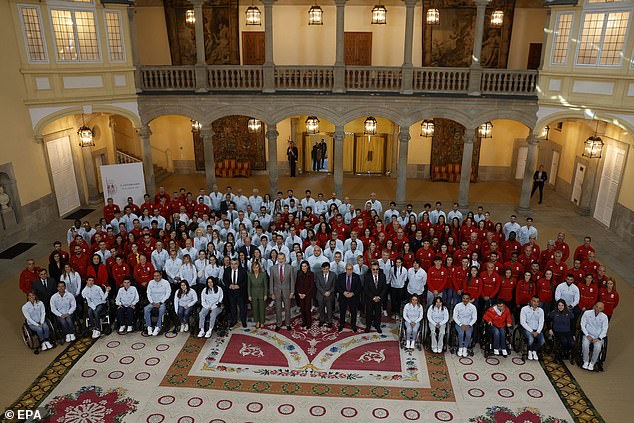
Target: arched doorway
{"type": "Point", "coordinates": [369, 154]}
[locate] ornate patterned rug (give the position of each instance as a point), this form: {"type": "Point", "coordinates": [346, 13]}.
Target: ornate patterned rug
{"type": "Point", "coordinates": [306, 374]}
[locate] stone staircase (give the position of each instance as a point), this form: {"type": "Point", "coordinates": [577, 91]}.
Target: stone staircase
{"type": "Point", "coordinates": [160, 173]}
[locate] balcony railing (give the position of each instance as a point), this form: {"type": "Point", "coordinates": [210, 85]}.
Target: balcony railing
{"type": "Point", "coordinates": [353, 78]}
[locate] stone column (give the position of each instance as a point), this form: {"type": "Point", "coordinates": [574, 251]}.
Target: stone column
{"type": "Point", "coordinates": [269, 66]}
{"type": "Point", "coordinates": [531, 156]}
{"type": "Point", "coordinates": [340, 68]}
{"type": "Point", "coordinates": [587, 187]}
{"type": "Point", "coordinates": [271, 136]}
{"type": "Point", "coordinates": [201, 60]}
{"type": "Point", "coordinates": [476, 70]}
{"type": "Point", "coordinates": [465, 169]}
{"type": "Point", "coordinates": [207, 134]}
{"type": "Point", "coordinates": [91, 176]}
{"type": "Point", "coordinates": [135, 47]}
{"type": "Point", "coordinates": [401, 178]}
{"type": "Point", "coordinates": [148, 166]}
{"type": "Point", "coordinates": [339, 136]}
{"type": "Point", "coordinates": [408, 69]}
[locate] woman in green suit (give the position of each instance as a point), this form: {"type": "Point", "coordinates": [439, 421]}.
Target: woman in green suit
{"type": "Point", "coordinates": [257, 293]}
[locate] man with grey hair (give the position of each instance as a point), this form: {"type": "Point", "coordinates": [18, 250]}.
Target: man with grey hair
{"type": "Point", "coordinates": [282, 289]}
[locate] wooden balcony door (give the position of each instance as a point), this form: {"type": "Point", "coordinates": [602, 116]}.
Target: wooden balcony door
{"type": "Point", "coordinates": [357, 48]}
{"type": "Point", "coordinates": [252, 48]}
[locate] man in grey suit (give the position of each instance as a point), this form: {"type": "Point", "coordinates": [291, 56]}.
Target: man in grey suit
{"type": "Point", "coordinates": [282, 287]}
{"type": "Point", "coordinates": [325, 293]}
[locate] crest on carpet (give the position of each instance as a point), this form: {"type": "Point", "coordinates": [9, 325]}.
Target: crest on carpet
{"type": "Point", "coordinates": [521, 415]}
{"type": "Point", "coordinates": [91, 404]}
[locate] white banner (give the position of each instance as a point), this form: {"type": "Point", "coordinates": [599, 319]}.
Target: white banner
{"type": "Point", "coordinates": [121, 181]}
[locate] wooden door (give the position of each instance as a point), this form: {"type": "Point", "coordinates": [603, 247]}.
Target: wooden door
{"type": "Point", "coordinates": [252, 48]}
{"type": "Point", "coordinates": [609, 188]}
{"type": "Point", "coordinates": [63, 173]}
{"type": "Point", "coordinates": [534, 56]}
{"type": "Point", "coordinates": [357, 48]}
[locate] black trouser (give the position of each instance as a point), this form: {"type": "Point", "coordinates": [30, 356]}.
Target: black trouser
{"type": "Point", "coordinates": [236, 300]}
{"type": "Point", "coordinates": [373, 314]}
{"type": "Point", "coordinates": [293, 165]}
{"type": "Point", "coordinates": [537, 185]}
{"type": "Point", "coordinates": [566, 343]}
{"type": "Point", "coordinates": [397, 295]}
{"type": "Point", "coordinates": [316, 163]}
{"type": "Point", "coordinates": [125, 316]}
{"type": "Point", "coordinates": [344, 305]}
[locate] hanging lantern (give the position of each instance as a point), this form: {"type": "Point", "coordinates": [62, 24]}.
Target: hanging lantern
{"type": "Point", "coordinates": [254, 16]}
{"type": "Point", "coordinates": [190, 17]}
{"type": "Point", "coordinates": [545, 131]}
{"type": "Point", "coordinates": [315, 16]}
{"type": "Point", "coordinates": [593, 147]}
{"type": "Point", "coordinates": [196, 126]}
{"type": "Point", "coordinates": [486, 130]}
{"type": "Point", "coordinates": [497, 18]}
{"type": "Point", "coordinates": [427, 128]}
{"type": "Point", "coordinates": [254, 125]}
{"type": "Point", "coordinates": [369, 126]}
{"type": "Point", "coordinates": [432, 17]}
{"type": "Point", "coordinates": [379, 15]}
{"type": "Point", "coordinates": [86, 136]}
{"type": "Point", "coordinates": [312, 125]}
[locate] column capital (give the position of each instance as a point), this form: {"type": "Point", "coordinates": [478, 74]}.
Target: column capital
{"type": "Point", "coordinates": [410, 3]}
{"type": "Point", "coordinates": [144, 131]}
{"type": "Point", "coordinates": [404, 135]}
{"type": "Point", "coordinates": [532, 139]}
{"type": "Point", "coordinates": [271, 133]}
{"type": "Point", "coordinates": [482, 3]}
{"type": "Point", "coordinates": [206, 133]}
{"type": "Point", "coordinates": [339, 134]}
{"type": "Point", "coordinates": [469, 136]}
{"type": "Point", "coordinates": [340, 3]}
{"type": "Point", "coordinates": [196, 3]}
{"type": "Point", "coordinates": [268, 2]}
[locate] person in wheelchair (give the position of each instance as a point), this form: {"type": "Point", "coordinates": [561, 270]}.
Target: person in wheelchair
{"type": "Point", "coordinates": [63, 306]}
{"type": "Point", "coordinates": [594, 325]}
{"type": "Point", "coordinates": [532, 321]}
{"type": "Point", "coordinates": [96, 299]}
{"type": "Point", "coordinates": [413, 313]}
{"type": "Point", "coordinates": [35, 315]}
{"type": "Point", "coordinates": [126, 301]}
{"type": "Point", "coordinates": [499, 319]}
{"type": "Point", "coordinates": [184, 301]}
{"type": "Point", "coordinates": [210, 299]}
{"type": "Point", "coordinates": [158, 292]}
{"type": "Point", "coordinates": [561, 319]}
{"type": "Point", "coordinates": [437, 316]}
{"type": "Point", "coordinates": [465, 315]}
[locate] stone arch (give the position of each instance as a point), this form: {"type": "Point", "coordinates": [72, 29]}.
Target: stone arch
{"type": "Point", "coordinates": [442, 113]}
{"type": "Point", "coordinates": [581, 114]}
{"type": "Point", "coordinates": [152, 113]}
{"type": "Point", "coordinates": [78, 110]}
{"type": "Point", "coordinates": [510, 114]}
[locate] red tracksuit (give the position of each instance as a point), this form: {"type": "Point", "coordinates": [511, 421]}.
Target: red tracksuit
{"type": "Point", "coordinates": [588, 296]}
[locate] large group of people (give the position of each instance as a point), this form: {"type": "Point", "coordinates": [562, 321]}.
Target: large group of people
{"type": "Point", "coordinates": [218, 251]}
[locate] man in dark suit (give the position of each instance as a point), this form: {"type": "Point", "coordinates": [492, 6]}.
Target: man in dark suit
{"type": "Point", "coordinates": [248, 249]}
{"type": "Point", "coordinates": [349, 288]}
{"type": "Point", "coordinates": [224, 205]}
{"type": "Point", "coordinates": [292, 154]}
{"type": "Point", "coordinates": [324, 150]}
{"type": "Point", "coordinates": [44, 288]}
{"type": "Point", "coordinates": [325, 293]}
{"type": "Point", "coordinates": [375, 289]}
{"type": "Point", "coordinates": [539, 179]}
{"type": "Point", "coordinates": [235, 280]}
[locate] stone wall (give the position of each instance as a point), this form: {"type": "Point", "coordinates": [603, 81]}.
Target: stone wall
{"type": "Point", "coordinates": [623, 222]}
{"type": "Point", "coordinates": [35, 215]}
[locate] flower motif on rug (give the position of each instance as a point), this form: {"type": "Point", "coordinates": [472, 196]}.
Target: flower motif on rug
{"type": "Point", "coordinates": [91, 405]}
{"type": "Point", "coordinates": [522, 415]}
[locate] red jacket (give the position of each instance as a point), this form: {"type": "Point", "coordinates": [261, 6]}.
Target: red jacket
{"type": "Point", "coordinates": [143, 274]}
{"type": "Point", "coordinates": [490, 284]}
{"type": "Point", "coordinates": [588, 296]}
{"type": "Point", "coordinates": [459, 278]}
{"type": "Point", "coordinates": [560, 271]}
{"type": "Point", "coordinates": [473, 287]}
{"type": "Point", "coordinates": [101, 275]}
{"type": "Point", "coordinates": [426, 258]}
{"type": "Point", "coordinates": [27, 278]}
{"type": "Point", "coordinates": [437, 279]}
{"type": "Point", "coordinates": [498, 320]}
{"type": "Point", "coordinates": [79, 264]}
{"type": "Point", "coordinates": [546, 290]}
{"type": "Point", "coordinates": [610, 300]}
{"type": "Point", "coordinates": [507, 289]}
{"type": "Point", "coordinates": [524, 292]}
{"type": "Point", "coordinates": [581, 252]}
{"type": "Point", "coordinates": [516, 268]}
{"type": "Point", "coordinates": [120, 272]}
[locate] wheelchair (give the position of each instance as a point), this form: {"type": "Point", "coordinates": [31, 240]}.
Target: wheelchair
{"type": "Point", "coordinates": [453, 338]}
{"type": "Point", "coordinates": [445, 341]}
{"type": "Point", "coordinates": [221, 326]}
{"type": "Point", "coordinates": [106, 321]}
{"type": "Point", "coordinates": [30, 339]}
{"type": "Point", "coordinates": [192, 322]}
{"type": "Point", "coordinates": [486, 341]}
{"type": "Point", "coordinates": [420, 335]}
{"type": "Point", "coordinates": [578, 352]}
{"type": "Point", "coordinates": [518, 342]}
{"type": "Point", "coordinates": [168, 317]}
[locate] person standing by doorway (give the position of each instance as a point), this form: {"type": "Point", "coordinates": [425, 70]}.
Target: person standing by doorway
{"type": "Point", "coordinates": [292, 154]}
{"type": "Point", "coordinates": [315, 154]}
{"type": "Point", "coordinates": [324, 149]}
{"type": "Point", "coordinates": [539, 179]}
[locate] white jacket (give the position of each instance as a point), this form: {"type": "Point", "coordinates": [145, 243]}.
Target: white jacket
{"type": "Point", "coordinates": [73, 282]}
{"type": "Point", "coordinates": [413, 314]}
{"type": "Point", "coordinates": [35, 314]}
{"type": "Point", "coordinates": [63, 305]}
{"type": "Point", "coordinates": [186, 300]}
{"type": "Point", "coordinates": [94, 295]}
{"type": "Point", "coordinates": [158, 292]}
{"type": "Point", "coordinates": [127, 297]}
{"type": "Point", "coordinates": [211, 299]}
{"type": "Point", "coordinates": [398, 277]}
{"type": "Point", "coordinates": [593, 325]}
{"type": "Point", "coordinates": [532, 320]}
{"type": "Point", "coordinates": [465, 314]}
{"type": "Point", "coordinates": [438, 316]}
{"type": "Point", "coordinates": [570, 294]}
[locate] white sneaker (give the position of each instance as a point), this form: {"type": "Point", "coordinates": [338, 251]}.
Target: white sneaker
{"type": "Point", "coordinates": [496, 352]}
{"type": "Point", "coordinates": [48, 344]}
{"type": "Point", "coordinates": [585, 365]}
{"type": "Point", "coordinates": [186, 327]}
{"type": "Point", "coordinates": [505, 353]}
{"type": "Point", "coordinates": [43, 346]}
{"type": "Point", "coordinates": [156, 331]}
{"type": "Point", "coordinates": [96, 334]}
{"type": "Point", "coordinates": [149, 330]}
{"type": "Point", "coordinates": [385, 313]}
{"type": "Point", "coordinates": [72, 337]}
{"type": "Point", "coordinates": [122, 329]}
{"type": "Point", "coordinates": [68, 338]}
{"type": "Point", "coordinates": [208, 334]}
{"type": "Point", "coordinates": [590, 366]}
{"type": "Point", "coordinates": [182, 328]}
{"type": "Point", "coordinates": [460, 352]}
{"type": "Point", "coordinates": [130, 329]}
